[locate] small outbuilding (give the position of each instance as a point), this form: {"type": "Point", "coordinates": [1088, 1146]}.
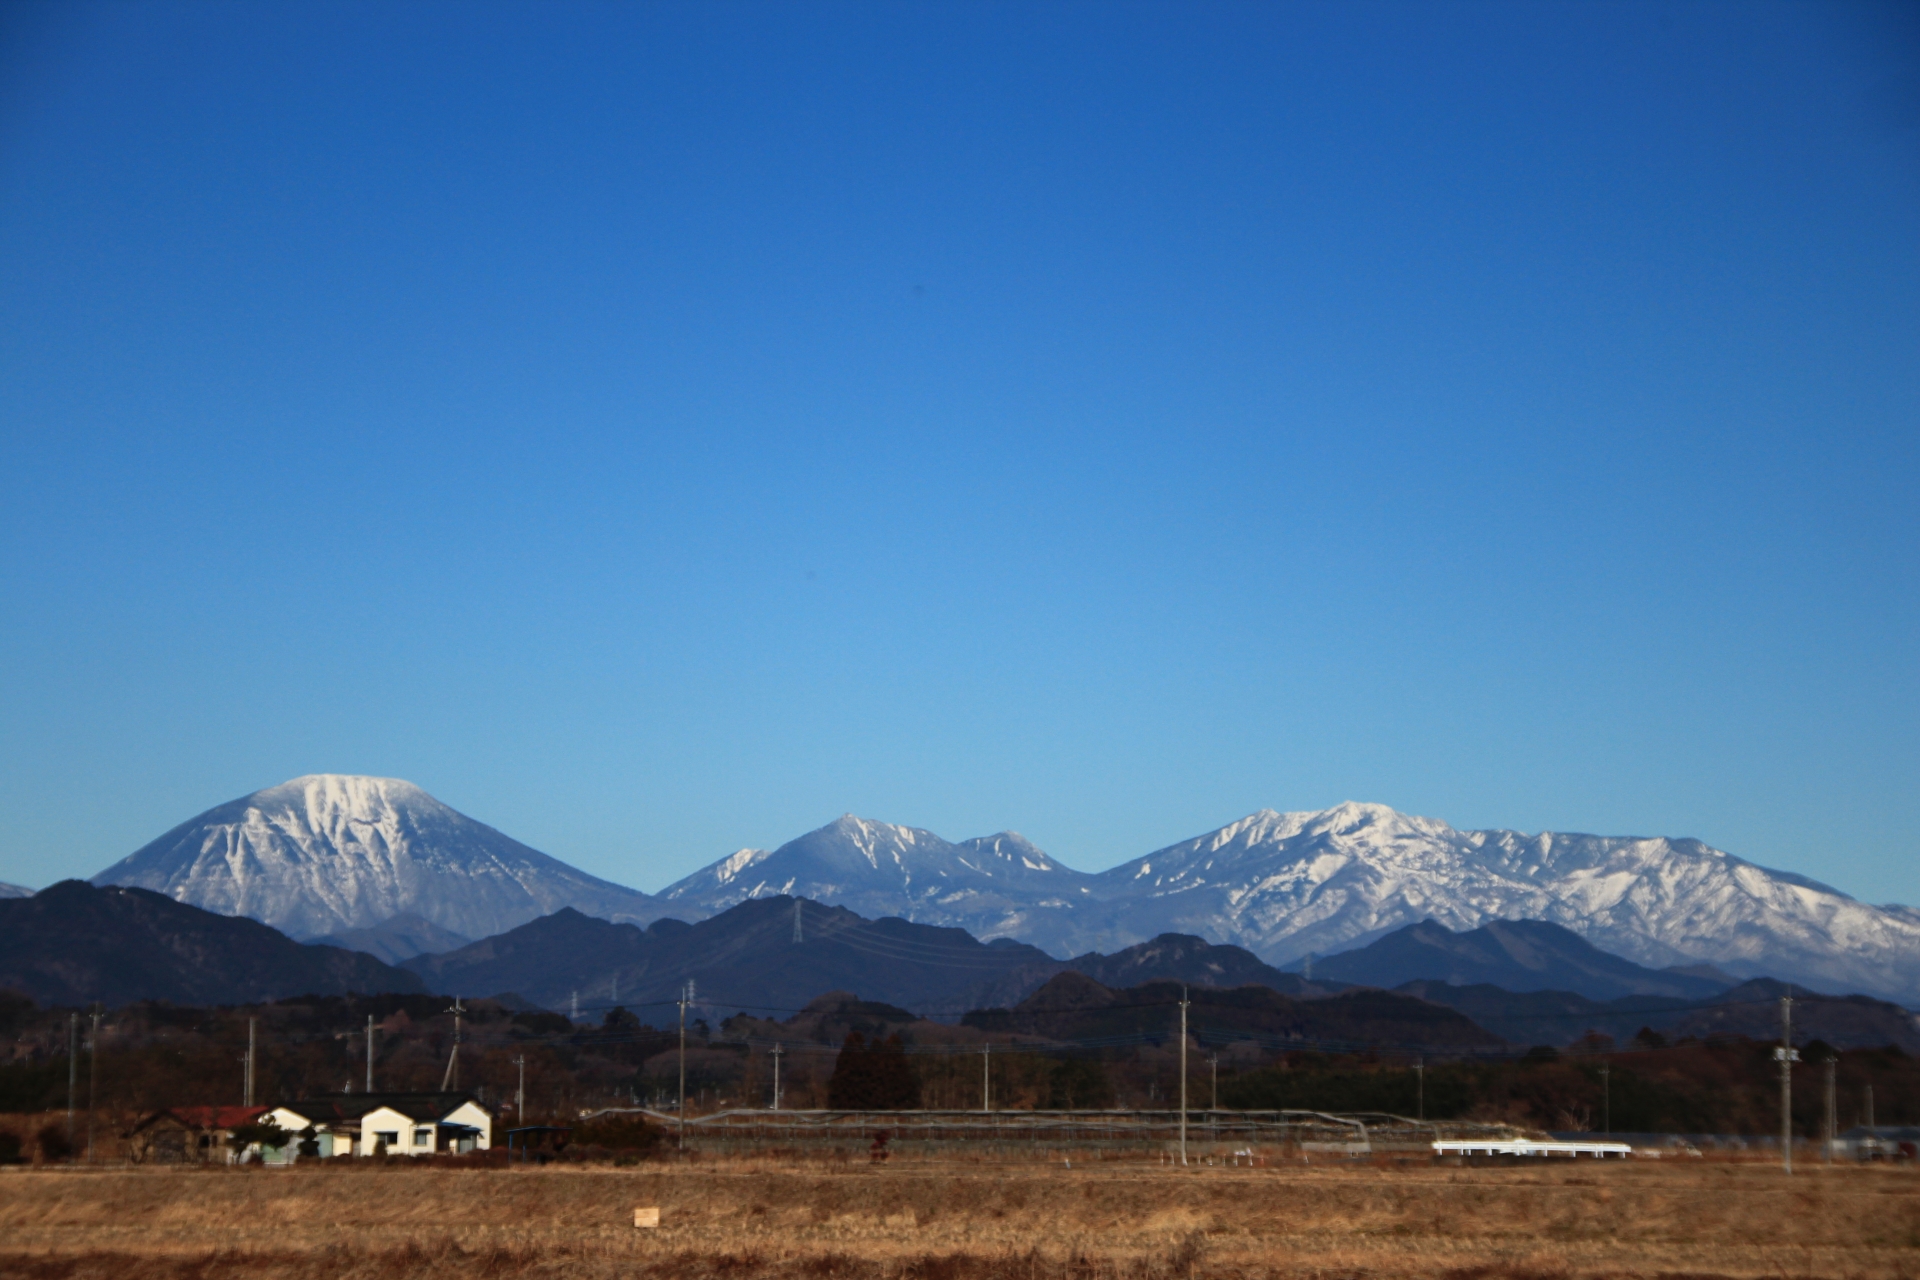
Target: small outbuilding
{"type": "Point", "coordinates": [192, 1135]}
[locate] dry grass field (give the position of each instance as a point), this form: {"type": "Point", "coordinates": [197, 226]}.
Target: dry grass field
{"type": "Point", "coordinates": [750, 1218]}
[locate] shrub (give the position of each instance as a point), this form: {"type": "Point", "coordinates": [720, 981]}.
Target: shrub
{"type": "Point", "coordinates": [617, 1133]}
{"type": "Point", "coordinates": [53, 1142]}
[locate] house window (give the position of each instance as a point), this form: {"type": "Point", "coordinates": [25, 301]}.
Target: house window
{"type": "Point", "coordinates": [388, 1137]}
{"type": "Point", "coordinates": [423, 1137]}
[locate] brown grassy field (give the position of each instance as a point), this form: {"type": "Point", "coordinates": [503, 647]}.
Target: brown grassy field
{"type": "Point", "coordinates": [749, 1218]}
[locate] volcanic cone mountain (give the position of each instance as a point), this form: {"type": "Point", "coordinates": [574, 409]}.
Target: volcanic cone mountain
{"type": "Point", "coordinates": [331, 852]}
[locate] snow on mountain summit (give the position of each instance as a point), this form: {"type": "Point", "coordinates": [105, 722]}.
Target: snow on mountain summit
{"type": "Point", "coordinates": [326, 853]}
{"type": "Point", "coordinates": [878, 869]}
{"type": "Point", "coordinates": [1284, 885]}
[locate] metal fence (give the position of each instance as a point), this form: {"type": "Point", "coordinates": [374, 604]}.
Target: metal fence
{"type": "Point", "coordinates": [1236, 1135]}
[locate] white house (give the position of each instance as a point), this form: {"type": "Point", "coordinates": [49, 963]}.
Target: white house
{"type": "Point", "coordinates": [405, 1124]}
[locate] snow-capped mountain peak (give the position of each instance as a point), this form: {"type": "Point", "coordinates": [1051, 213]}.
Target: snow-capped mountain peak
{"type": "Point", "coordinates": [1284, 885]}
{"type": "Point", "coordinates": [880, 869]}
{"type": "Point", "coordinates": [327, 852]}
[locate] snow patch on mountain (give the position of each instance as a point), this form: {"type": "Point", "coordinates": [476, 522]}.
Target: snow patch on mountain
{"type": "Point", "coordinates": [15, 891]}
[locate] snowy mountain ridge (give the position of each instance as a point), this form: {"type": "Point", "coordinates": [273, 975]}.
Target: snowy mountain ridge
{"type": "Point", "coordinates": [328, 853]}
{"type": "Point", "coordinates": [879, 869]}
{"type": "Point", "coordinates": [1287, 885]}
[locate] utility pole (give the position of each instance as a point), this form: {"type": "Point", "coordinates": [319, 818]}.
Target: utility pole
{"type": "Point", "coordinates": [452, 1077]}
{"type": "Point", "coordinates": [369, 1053]}
{"type": "Point", "coordinates": [986, 1076]}
{"type": "Point", "coordinates": [1420, 1088]}
{"type": "Point", "coordinates": [520, 1095]}
{"type": "Point", "coordinates": [1787, 1057]}
{"type": "Point", "coordinates": [1183, 1074]}
{"type": "Point", "coordinates": [777, 1051]}
{"type": "Point", "coordinates": [73, 1067]}
{"type": "Point", "coordinates": [250, 1046]}
{"type": "Point", "coordinates": [1833, 1104]}
{"type": "Point", "coordinates": [1213, 1065]}
{"type": "Point", "coordinates": [1606, 1097]}
{"type": "Point", "coordinates": [575, 1015]}
{"type": "Point", "coordinates": [686, 995]}
{"type": "Point", "coordinates": [93, 1075]}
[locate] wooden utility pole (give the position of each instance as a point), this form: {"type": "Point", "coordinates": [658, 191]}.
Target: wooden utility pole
{"type": "Point", "coordinates": [777, 1051]}
{"type": "Point", "coordinates": [1420, 1088]}
{"type": "Point", "coordinates": [369, 1053]}
{"type": "Point", "coordinates": [686, 997]}
{"type": "Point", "coordinates": [1833, 1103]}
{"type": "Point", "coordinates": [93, 1075]}
{"type": "Point", "coordinates": [73, 1069]}
{"type": "Point", "coordinates": [451, 1080]}
{"type": "Point", "coordinates": [1183, 1074]}
{"type": "Point", "coordinates": [520, 1095]}
{"type": "Point", "coordinates": [1787, 1057]}
{"type": "Point", "coordinates": [250, 1046]}
{"type": "Point", "coordinates": [986, 1076]}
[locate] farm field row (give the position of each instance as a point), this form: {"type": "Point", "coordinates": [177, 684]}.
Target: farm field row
{"type": "Point", "coordinates": [752, 1217]}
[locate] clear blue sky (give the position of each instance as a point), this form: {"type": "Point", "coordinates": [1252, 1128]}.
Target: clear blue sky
{"type": "Point", "coordinates": [657, 429]}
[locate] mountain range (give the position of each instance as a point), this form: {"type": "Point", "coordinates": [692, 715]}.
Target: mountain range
{"type": "Point", "coordinates": [1287, 886]}
{"type": "Point", "coordinates": [72, 944]}
{"type": "Point", "coordinates": [1074, 1007]}
{"type": "Point", "coordinates": [1751, 1009]}
{"type": "Point", "coordinates": [326, 854]}
{"type": "Point", "coordinates": [1514, 955]}
{"type": "Point", "coordinates": [765, 954]}
{"type": "Point", "coordinates": [397, 938]}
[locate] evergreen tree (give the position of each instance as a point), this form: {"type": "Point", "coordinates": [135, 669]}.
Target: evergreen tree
{"type": "Point", "coordinates": [873, 1077]}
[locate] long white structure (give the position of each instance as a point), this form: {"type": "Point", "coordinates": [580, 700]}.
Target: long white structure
{"type": "Point", "coordinates": [1528, 1147]}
